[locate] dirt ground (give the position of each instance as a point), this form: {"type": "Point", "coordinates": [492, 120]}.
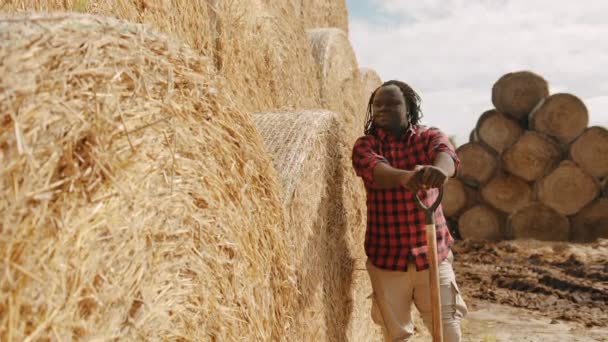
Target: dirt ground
{"type": "Point", "coordinates": [532, 291]}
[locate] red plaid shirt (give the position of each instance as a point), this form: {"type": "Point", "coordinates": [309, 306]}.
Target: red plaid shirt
{"type": "Point", "coordinates": [395, 224]}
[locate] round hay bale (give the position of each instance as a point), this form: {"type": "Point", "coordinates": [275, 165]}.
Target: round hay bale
{"type": "Point", "coordinates": [260, 48]}
{"type": "Point", "coordinates": [324, 13]}
{"type": "Point", "coordinates": [540, 222]}
{"type": "Point", "coordinates": [341, 89]}
{"type": "Point", "coordinates": [568, 188]}
{"type": "Point", "coordinates": [517, 93]}
{"type": "Point", "coordinates": [532, 156]}
{"type": "Point", "coordinates": [497, 131]}
{"type": "Point", "coordinates": [562, 116]}
{"type": "Point", "coordinates": [478, 163]}
{"type": "Point", "coordinates": [590, 151]}
{"type": "Point", "coordinates": [303, 147]}
{"type": "Point", "coordinates": [137, 201]}
{"type": "Point", "coordinates": [371, 81]}
{"type": "Point", "coordinates": [591, 222]}
{"type": "Point", "coordinates": [507, 193]}
{"type": "Point", "coordinates": [338, 74]}
{"type": "Point", "coordinates": [481, 223]}
{"type": "Point", "coordinates": [265, 56]}
{"type": "Point", "coordinates": [458, 196]}
{"type": "Point", "coordinates": [305, 152]}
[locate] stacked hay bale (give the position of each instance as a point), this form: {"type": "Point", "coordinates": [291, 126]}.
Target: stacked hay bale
{"type": "Point", "coordinates": [260, 49]}
{"type": "Point", "coordinates": [370, 80]}
{"type": "Point", "coordinates": [137, 202]}
{"type": "Point", "coordinates": [304, 149]}
{"type": "Point", "coordinates": [341, 92]}
{"type": "Point", "coordinates": [532, 168]}
{"type": "Point", "coordinates": [258, 59]}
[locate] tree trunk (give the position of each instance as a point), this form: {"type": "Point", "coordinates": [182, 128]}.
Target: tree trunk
{"type": "Point", "coordinates": [563, 116]}
{"type": "Point", "coordinates": [507, 193]}
{"type": "Point", "coordinates": [540, 222]}
{"type": "Point", "coordinates": [568, 188]}
{"type": "Point", "coordinates": [497, 130]}
{"type": "Point", "coordinates": [516, 94]}
{"type": "Point", "coordinates": [532, 156]}
{"type": "Point", "coordinates": [477, 163]}
{"type": "Point", "coordinates": [590, 151]}
{"type": "Point", "coordinates": [457, 197]}
{"type": "Point", "coordinates": [591, 223]}
{"type": "Point", "coordinates": [481, 223]}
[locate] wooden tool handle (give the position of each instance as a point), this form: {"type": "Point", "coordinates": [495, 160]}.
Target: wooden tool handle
{"type": "Point", "coordinates": [434, 283]}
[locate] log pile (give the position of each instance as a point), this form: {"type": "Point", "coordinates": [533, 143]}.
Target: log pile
{"type": "Point", "coordinates": [532, 168]}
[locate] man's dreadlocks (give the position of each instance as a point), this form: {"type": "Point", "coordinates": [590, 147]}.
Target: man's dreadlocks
{"type": "Point", "coordinates": [412, 100]}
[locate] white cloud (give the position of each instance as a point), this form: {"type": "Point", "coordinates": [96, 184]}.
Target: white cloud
{"type": "Point", "coordinates": [452, 51]}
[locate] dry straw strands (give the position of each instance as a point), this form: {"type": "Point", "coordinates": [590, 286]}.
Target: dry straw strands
{"type": "Point", "coordinates": [370, 80]}
{"type": "Point", "coordinates": [136, 201]}
{"type": "Point", "coordinates": [325, 13]}
{"type": "Point", "coordinates": [261, 50]}
{"type": "Point", "coordinates": [305, 151]}
{"type": "Point", "coordinates": [341, 90]}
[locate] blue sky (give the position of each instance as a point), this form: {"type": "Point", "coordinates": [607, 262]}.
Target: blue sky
{"type": "Point", "coordinates": [452, 51]}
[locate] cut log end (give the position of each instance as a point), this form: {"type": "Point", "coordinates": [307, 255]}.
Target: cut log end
{"type": "Point", "coordinates": [568, 188]}
{"type": "Point", "coordinates": [497, 130]}
{"type": "Point", "coordinates": [517, 93]}
{"type": "Point", "coordinates": [481, 223]}
{"type": "Point", "coordinates": [605, 187]}
{"type": "Point", "coordinates": [507, 193]}
{"type": "Point", "coordinates": [591, 222]}
{"type": "Point", "coordinates": [563, 116]}
{"type": "Point", "coordinates": [532, 156]}
{"type": "Point", "coordinates": [540, 222]}
{"type": "Point", "coordinates": [590, 151]}
{"type": "Point", "coordinates": [477, 163]}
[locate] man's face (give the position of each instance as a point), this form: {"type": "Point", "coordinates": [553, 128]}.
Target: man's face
{"type": "Point", "coordinates": [389, 108]}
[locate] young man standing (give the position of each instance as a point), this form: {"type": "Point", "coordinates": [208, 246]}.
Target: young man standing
{"type": "Point", "coordinates": [396, 158]}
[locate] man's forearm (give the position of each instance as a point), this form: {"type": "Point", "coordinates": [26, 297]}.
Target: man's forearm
{"type": "Point", "coordinates": [445, 162]}
{"type": "Point", "coordinates": [387, 177]}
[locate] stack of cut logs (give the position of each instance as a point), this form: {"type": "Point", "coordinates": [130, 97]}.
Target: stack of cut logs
{"type": "Point", "coordinates": [532, 169]}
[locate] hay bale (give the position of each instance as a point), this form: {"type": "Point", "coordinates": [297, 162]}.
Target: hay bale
{"type": "Point", "coordinates": [540, 222]}
{"type": "Point", "coordinates": [562, 116]}
{"type": "Point", "coordinates": [591, 222]}
{"type": "Point", "coordinates": [137, 202]}
{"type": "Point", "coordinates": [341, 88]}
{"type": "Point", "coordinates": [261, 50]}
{"type": "Point", "coordinates": [370, 80]}
{"type": "Point", "coordinates": [324, 13]}
{"type": "Point", "coordinates": [338, 74]}
{"type": "Point", "coordinates": [517, 93]}
{"type": "Point", "coordinates": [568, 188]}
{"type": "Point", "coordinates": [305, 152]}
{"type": "Point", "coordinates": [265, 56]}
{"type": "Point", "coordinates": [590, 151]}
